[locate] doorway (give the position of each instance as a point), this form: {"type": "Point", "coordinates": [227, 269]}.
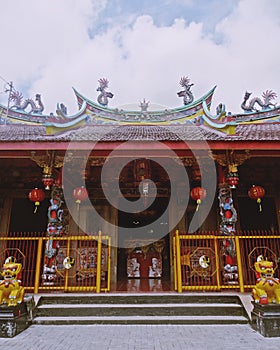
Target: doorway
{"type": "Point", "coordinates": [143, 263]}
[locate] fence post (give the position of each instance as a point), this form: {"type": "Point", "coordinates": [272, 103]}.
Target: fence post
{"type": "Point", "coordinates": [217, 261]}
{"type": "Point", "coordinates": [66, 281]}
{"type": "Point", "coordinates": [38, 265]}
{"type": "Point", "coordinates": [98, 267]}
{"type": "Point", "coordinates": [178, 256]}
{"type": "Point", "coordinates": [175, 263]}
{"type": "Point", "coordinates": [239, 264]}
{"type": "Point", "coordinates": [109, 265]}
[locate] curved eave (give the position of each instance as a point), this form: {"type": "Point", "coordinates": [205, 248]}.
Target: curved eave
{"type": "Point", "coordinates": [112, 111]}
{"type": "Point", "coordinates": [213, 120]}
{"type": "Point", "coordinates": [70, 120]}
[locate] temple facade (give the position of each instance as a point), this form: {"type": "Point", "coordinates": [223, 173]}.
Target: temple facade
{"type": "Point", "coordinates": [124, 200]}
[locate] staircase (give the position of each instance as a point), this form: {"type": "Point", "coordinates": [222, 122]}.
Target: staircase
{"type": "Point", "coordinates": [167, 308]}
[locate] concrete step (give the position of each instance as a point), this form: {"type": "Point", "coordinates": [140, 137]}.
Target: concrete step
{"type": "Point", "coordinates": [140, 320]}
{"type": "Point", "coordinates": [166, 308]}
{"type": "Point", "coordinates": [123, 298]}
{"type": "Point", "coordinates": [170, 309]}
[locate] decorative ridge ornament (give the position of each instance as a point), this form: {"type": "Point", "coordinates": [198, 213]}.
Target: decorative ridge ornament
{"type": "Point", "coordinates": [21, 105]}
{"type": "Point", "coordinates": [144, 105]}
{"type": "Point", "coordinates": [104, 95]}
{"type": "Point", "coordinates": [186, 94]}
{"type": "Point", "coordinates": [267, 96]}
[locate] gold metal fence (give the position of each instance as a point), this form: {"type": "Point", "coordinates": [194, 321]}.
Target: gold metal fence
{"type": "Point", "coordinates": [200, 261]}
{"type": "Point", "coordinates": [90, 271]}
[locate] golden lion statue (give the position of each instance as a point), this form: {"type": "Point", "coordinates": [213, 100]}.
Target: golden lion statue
{"type": "Point", "coordinates": [267, 288]}
{"type": "Point", "coordinates": [11, 291]}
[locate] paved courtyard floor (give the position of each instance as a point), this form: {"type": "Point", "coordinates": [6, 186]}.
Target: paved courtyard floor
{"type": "Point", "coordinates": [140, 337]}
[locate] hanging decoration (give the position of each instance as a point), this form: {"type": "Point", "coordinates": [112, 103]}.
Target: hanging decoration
{"type": "Point", "coordinates": [36, 195]}
{"type": "Point", "coordinates": [80, 194]}
{"type": "Point", "coordinates": [48, 181]}
{"type": "Point", "coordinates": [232, 178]}
{"type": "Point", "coordinates": [231, 160]}
{"type": "Point", "coordinates": [142, 169]}
{"type": "Point", "coordinates": [48, 162]}
{"type": "Point", "coordinates": [145, 191]}
{"type": "Point", "coordinates": [198, 194]}
{"type": "Point", "coordinates": [257, 193]}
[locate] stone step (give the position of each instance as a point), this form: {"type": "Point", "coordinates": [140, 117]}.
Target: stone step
{"type": "Point", "coordinates": [163, 298]}
{"type": "Point", "coordinates": [140, 320]}
{"type": "Point", "coordinates": [169, 309]}
{"type": "Point", "coordinates": [165, 308]}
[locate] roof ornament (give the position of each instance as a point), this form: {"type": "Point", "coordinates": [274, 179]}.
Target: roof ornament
{"type": "Point", "coordinates": [61, 109]}
{"type": "Point", "coordinates": [267, 96]}
{"type": "Point", "coordinates": [103, 96]}
{"type": "Point", "coordinates": [21, 105]}
{"type": "Point", "coordinates": [144, 105]}
{"type": "Point", "coordinates": [187, 94]}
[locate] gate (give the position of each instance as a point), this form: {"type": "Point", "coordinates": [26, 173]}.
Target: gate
{"type": "Point", "coordinates": [200, 261]}
{"type": "Point", "coordinates": [89, 271]}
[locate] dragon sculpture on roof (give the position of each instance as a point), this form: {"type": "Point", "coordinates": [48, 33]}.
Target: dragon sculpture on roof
{"type": "Point", "coordinates": [21, 105]}
{"type": "Point", "coordinates": [267, 96]}
{"type": "Point", "coordinates": [186, 94]}
{"type": "Point", "coordinates": [104, 95]}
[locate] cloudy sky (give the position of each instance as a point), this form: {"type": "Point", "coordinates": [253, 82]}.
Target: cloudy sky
{"type": "Point", "coordinates": [143, 47]}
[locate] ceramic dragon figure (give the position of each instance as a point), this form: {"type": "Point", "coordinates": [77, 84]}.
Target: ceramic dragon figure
{"type": "Point", "coordinates": [267, 96]}
{"type": "Point", "coordinates": [227, 228]}
{"type": "Point", "coordinates": [104, 95]}
{"type": "Point", "coordinates": [186, 93]}
{"type": "Point", "coordinates": [11, 291]}
{"type": "Point", "coordinates": [54, 229]}
{"type": "Point", "coordinates": [267, 288]}
{"type": "Point", "coordinates": [21, 105]}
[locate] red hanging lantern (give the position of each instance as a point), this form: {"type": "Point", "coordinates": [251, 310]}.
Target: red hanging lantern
{"type": "Point", "coordinates": [80, 194]}
{"type": "Point", "coordinates": [48, 181]}
{"type": "Point", "coordinates": [257, 193]}
{"type": "Point", "coordinates": [36, 195]}
{"type": "Point", "coordinates": [232, 179]}
{"type": "Point", "coordinates": [198, 194]}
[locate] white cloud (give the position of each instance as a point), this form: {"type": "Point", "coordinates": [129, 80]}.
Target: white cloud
{"type": "Point", "coordinates": [51, 49]}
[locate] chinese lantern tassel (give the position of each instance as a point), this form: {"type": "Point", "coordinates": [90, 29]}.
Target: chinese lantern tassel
{"type": "Point", "coordinates": [36, 207]}
{"type": "Point", "coordinates": [198, 202]}
{"type": "Point", "coordinates": [260, 205]}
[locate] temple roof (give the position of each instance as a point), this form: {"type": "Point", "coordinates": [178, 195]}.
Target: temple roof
{"type": "Point", "coordinates": [110, 133]}
{"type": "Point", "coordinates": [193, 121]}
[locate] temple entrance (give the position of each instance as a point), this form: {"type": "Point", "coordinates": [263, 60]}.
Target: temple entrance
{"type": "Point", "coordinates": [144, 259]}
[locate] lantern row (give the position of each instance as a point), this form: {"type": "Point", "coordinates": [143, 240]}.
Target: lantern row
{"type": "Point", "coordinates": [198, 194]}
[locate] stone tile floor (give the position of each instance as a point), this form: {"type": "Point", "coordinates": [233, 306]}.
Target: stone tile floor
{"type": "Point", "coordinates": [140, 337]}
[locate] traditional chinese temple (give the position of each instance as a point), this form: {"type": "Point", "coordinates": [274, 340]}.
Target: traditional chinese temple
{"type": "Point", "coordinates": [110, 199]}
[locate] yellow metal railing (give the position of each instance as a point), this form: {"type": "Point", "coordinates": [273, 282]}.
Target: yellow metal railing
{"type": "Point", "coordinates": [201, 261]}
{"type": "Point", "coordinates": [90, 271]}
